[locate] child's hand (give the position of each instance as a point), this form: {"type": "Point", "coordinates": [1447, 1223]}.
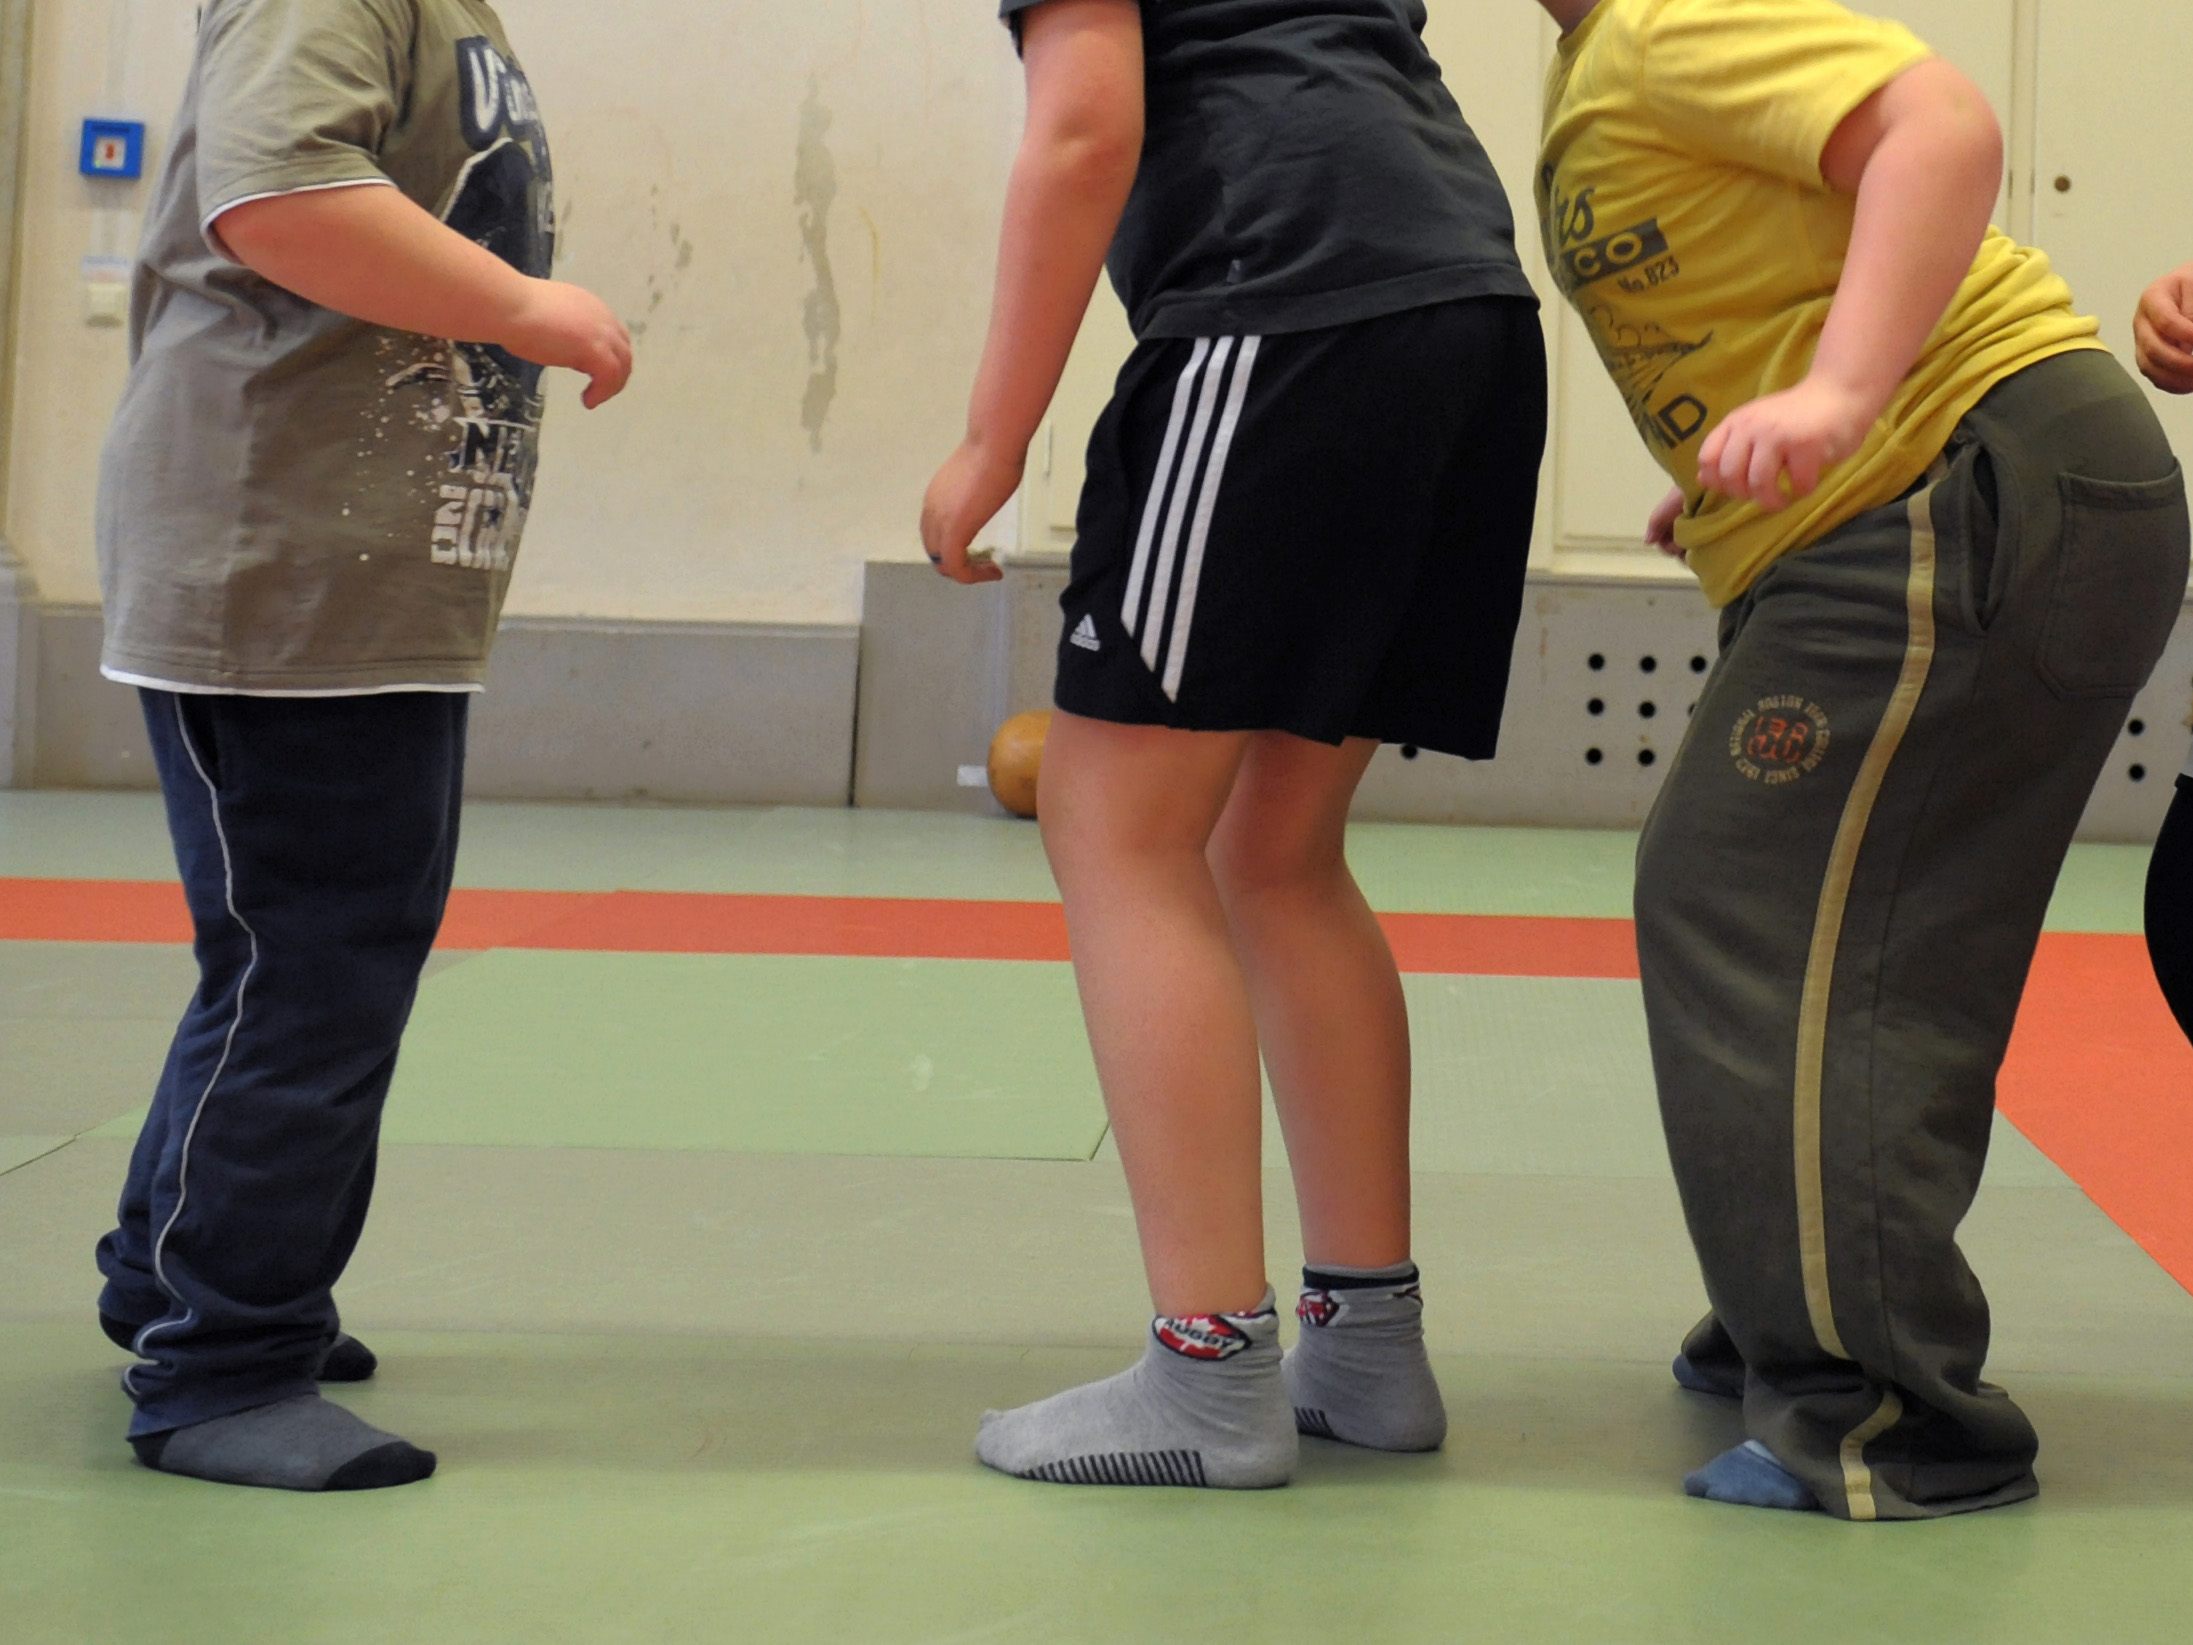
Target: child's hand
{"type": "Point", "coordinates": [1774, 450]}
{"type": "Point", "coordinates": [969, 489]}
{"type": "Point", "coordinates": [1660, 529]}
{"type": "Point", "coordinates": [568, 326]}
{"type": "Point", "coordinates": [2164, 331]}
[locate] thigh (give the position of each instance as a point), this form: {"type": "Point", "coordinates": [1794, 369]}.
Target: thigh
{"type": "Point", "coordinates": [1109, 789]}
{"type": "Point", "coordinates": [337, 815]}
{"type": "Point", "coordinates": [1818, 659]}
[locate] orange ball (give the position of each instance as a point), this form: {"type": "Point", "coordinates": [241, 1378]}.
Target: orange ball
{"type": "Point", "coordinates": [1016, 761]}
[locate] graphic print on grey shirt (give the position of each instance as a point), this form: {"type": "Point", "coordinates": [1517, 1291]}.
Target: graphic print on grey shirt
{"type": "Point", "coordinates": [292, 500]}
{"type": "Point", "coordinates": [1303, 166]}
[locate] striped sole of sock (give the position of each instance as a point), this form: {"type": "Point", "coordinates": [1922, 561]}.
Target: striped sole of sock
{"type": "Point", "coordinates": [1314, 1423]}
{"type": "Point", "coordinates": [1124, 1468]}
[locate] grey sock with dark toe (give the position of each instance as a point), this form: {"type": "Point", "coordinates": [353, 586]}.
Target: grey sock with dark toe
{"type": "Point", "coordinates": [303, 1443]}
{"type": "Point", "coordinates": [1206, 1405]}
{"type": "Point", "coordinates": [1359, 1372]}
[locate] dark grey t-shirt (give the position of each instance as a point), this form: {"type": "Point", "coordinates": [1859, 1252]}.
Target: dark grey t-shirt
{"type": "Point", "coordinates": [292, 501]}
{"type": "Point", "coordinates": [1303, 166]}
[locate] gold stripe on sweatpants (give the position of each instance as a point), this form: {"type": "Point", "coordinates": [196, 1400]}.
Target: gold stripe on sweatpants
{"type": "Point", "coordinates": [1827, 936]}
{"type": "Point", "coordinates": [1857, 1476]}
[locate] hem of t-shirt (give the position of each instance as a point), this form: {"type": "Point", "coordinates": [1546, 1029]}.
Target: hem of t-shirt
{"type": "Point", "coordinates": [282, 192]}
{"type": "Point", "coordinates": [1857, 94]}
{"type": "Point", "coordinates": [183, 683]}
{"type": "Point", "coordinates": [1232, 313]}
{"type": "Point", "coordinates": [1720, 597]}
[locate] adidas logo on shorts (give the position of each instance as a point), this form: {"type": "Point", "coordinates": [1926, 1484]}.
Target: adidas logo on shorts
{"type": "Point", "coordinates": [1085, 635]}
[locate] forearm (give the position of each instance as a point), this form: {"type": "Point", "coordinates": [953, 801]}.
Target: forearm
{"type": "Point", "coordinates": [1923, 208]}
{"type": "Point", "coordinates": [372, 254]}
{"type": "Point", "coordinates": [1061, 211]}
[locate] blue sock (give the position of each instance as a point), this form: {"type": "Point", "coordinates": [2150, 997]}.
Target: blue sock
{"type": "Point", "coordinates": [1689, 1375]}
{"type": "Point", "coordinates": [1750, 1477]}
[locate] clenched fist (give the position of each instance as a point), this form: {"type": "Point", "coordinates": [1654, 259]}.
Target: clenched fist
{"type": "Point", "coordinates": [2164, 331]}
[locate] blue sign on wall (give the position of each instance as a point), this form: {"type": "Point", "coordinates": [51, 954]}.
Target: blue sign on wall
{"type": "Point", "coordinates": [114, 148]}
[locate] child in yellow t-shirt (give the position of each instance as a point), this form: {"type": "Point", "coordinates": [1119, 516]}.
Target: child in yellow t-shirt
{"type": "Point", "coordinates": [1949, 541]}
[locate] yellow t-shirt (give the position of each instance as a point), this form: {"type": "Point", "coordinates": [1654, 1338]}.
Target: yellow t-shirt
{"type": "Point", "coordinates": [1686, 218]}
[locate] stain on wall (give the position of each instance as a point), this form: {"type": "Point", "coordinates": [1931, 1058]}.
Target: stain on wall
{"type": "Point", "coordinates": [814, 192]}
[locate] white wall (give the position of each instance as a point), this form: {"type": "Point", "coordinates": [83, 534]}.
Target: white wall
{"type": "Point", "coordinates": [679, 132]}
{"type": "Point", "coordinates": [682, 130]}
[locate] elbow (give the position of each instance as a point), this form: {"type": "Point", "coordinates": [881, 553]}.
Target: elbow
{"type": "Point", "coordinates": [1098, 155]}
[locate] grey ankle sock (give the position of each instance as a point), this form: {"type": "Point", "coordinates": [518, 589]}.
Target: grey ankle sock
{"type": "Point", "coordinates": [1359, 1373]}
{"type": "Point", "coordinates": [1205, 1406]}
{"type": "Point", "coordinates": [303, 1443]}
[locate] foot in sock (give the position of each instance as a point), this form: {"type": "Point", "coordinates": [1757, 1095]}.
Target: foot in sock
{"type": "Point", "coordinates": [1701, 1380]}
{"type": "Point", "coordinates": [1750, 1477]}
{"type": "Point", "coordinates": [1360, 1374]}
{"type": "Point", "coordinates": [1206, 1405]}
{"type": "Point", "coordinates": [348, 1359]}
{"type": "Point", "coordinates": [303, 1443]}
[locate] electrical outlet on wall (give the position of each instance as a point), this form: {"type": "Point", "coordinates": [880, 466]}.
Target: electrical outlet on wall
{"type": "Point", "coordinates": [106, 291]}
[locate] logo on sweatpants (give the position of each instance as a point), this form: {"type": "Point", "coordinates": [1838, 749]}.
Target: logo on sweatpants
{"type": "Point", "coordinates": [1085, 635]}
{"type": "Point", "coordinates": [1202, 1336]}
{"type": "Point", "coordinates": [1781, 740]}
{"type": "Point", "coordinates": [1317, 1308]}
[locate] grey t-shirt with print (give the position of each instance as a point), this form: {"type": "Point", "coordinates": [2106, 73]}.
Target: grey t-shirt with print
{"type": "Point", "coordinates": [291, 500]}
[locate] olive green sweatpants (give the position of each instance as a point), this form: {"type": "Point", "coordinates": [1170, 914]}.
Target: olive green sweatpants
{"type": "Point", "coordinates": [1839, 896]}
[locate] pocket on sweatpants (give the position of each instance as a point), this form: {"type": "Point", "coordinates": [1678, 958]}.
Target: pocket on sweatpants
{"type": "Point", "coordinates": [2120, 584]}
{"type": "Point", "coordinates": [1977, 548]}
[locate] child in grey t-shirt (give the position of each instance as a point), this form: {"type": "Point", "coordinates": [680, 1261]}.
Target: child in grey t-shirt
{"type": "Point", "coordinates": [311, 500]}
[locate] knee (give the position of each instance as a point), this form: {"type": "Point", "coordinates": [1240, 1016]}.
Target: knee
{"type": "Point", "coordinates": [1094, 851]}
{"type": "Point", "coordinates": [1253, 863]}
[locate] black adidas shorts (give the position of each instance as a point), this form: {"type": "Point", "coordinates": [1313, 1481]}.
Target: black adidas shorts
{"type": "Point", "coordinates": [1323, 533]}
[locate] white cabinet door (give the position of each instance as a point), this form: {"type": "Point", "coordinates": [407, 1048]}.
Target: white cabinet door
{"type": "Point", "coordinates": [1604, 483]}
{"type": "Point", "coordinates": [2114, 170]}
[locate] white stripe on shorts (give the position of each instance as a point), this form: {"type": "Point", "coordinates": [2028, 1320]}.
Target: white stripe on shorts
{"type": "Point", "coordinates": [1176, 517]}
{"type": "Point", "coordinates": [1169, 455]}
{"type": "Point", "coordinates": [1191, 576]}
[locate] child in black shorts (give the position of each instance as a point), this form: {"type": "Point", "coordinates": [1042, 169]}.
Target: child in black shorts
{"type": "Point", "coordinates": [1304, 534]}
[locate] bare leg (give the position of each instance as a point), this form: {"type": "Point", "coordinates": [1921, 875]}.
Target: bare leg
{"type": "Point", "coordinates": [1127, 816]}
{"type": "Point", "coordinates": [1326, 993]}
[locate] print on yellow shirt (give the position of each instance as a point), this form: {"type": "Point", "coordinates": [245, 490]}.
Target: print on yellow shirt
{"type": "Point", "coordinates": [1640, 354]}
{"type": "Point", "coordinates": [1686, 218]}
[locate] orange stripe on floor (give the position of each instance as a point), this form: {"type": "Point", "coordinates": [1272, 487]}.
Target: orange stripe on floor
{"type": "Point", "coordinates": [2101, 1081]}
{"type": "Point", "coordinates": [92, 911]}
{"type": "Point", "coordinates": [1485, 945]}
{"type": "Point", "coordinates": [2098, 1075]}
